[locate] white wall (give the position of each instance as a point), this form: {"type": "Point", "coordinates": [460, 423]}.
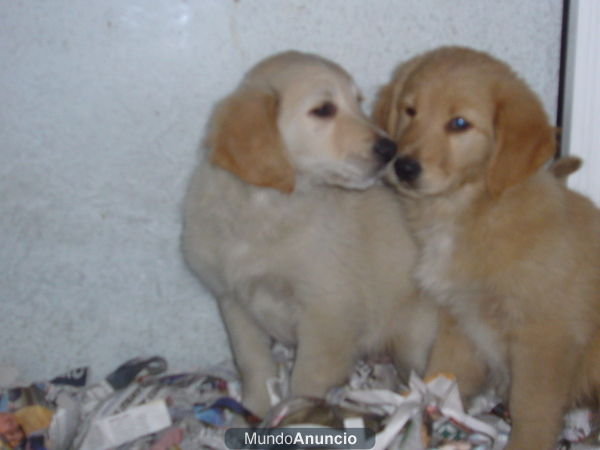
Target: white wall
{"type": "Point", "coordinates": [102, 108]}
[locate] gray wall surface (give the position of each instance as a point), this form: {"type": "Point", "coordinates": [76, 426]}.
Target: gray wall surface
{"type": "Point", "coordinates": [103, 107]}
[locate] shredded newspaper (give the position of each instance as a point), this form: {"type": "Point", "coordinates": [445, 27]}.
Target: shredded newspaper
{"type": "Point", "coordinates": [142, 406]}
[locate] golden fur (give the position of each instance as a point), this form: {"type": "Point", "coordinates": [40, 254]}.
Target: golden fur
{"type": "Point", "coordinates": [280, 229]}
{"type": "Point", "coordinates": [505, 248]}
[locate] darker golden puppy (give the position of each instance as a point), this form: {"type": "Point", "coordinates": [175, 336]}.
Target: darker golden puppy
{"type": "Point", "coordinates": [510, 252]}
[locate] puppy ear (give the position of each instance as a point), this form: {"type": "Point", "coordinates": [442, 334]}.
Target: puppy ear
{"type": "Point", "coordinates": [244, 140]}
{"type": "Point", "coordinates": [385, 109]}
{"type": "Point", "coordinates": [524, 140]}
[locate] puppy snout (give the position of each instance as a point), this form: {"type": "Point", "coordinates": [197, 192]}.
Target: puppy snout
{"type": "Point", "coordinates": [385, 149]}
{"type": "Point", "coordinates": [407, 169]}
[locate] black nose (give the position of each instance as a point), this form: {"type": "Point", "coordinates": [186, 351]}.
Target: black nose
{"type": "Point", "coordinates": [407, 169]}
{"type": "Point", "coordinates": [385, 149]}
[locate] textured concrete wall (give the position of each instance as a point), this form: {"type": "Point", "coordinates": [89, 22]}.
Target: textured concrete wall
{"type": "Point", "coordinates": [102, 107]}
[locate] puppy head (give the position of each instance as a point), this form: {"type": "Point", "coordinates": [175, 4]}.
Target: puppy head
{"type": "Point", "coordinates": [462, 117]}
{"type": "Point", "coordinates": [296, 120]}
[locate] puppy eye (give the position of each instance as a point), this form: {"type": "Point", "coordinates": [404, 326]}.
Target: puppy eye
{"type": "Point", "coordinates": [458, 124]}
{"type": "Point", "coordinates": [327, 109]}
{"type": "Point", "coordinates": [412, 112]}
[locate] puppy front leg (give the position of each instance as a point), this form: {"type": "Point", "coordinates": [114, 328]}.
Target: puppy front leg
{"type": "Point", "coordinates": [325, 355]}
{"type": "Point", "coordinates": [251, 348]}
{"type": "Point", "coordinates": [412, 340]}
{"type": "Point", "coordinates": [453, 353]}
{"type": "Point", "coordinates": [542, 371]}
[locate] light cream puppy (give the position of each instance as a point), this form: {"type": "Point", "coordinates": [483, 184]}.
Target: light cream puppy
{"type": "Point", "coordinates": [280, 229]}
{"type": "Point", "coordinates": [510, 252]}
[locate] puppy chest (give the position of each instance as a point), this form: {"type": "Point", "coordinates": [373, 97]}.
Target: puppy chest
{"type": "Point", "coordinates": [435, 265]}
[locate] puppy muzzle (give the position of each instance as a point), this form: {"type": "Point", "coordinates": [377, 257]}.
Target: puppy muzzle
{"type": "Point", "coordinates": [385, 149]}
{"type": "Point", "coordinates": [407, 169]}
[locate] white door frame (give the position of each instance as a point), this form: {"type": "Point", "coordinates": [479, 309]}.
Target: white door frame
{"type": "Point", "coordinates": [581, 106]}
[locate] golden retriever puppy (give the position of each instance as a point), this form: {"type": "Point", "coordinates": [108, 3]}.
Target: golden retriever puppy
{"type": "Point", "coordinates": [510, 252]}
{"type": "Point", "coordinates": [279, 226]}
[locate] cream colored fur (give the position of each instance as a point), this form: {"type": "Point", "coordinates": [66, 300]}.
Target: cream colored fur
{"type": "Point", "coordinates": [278, 230]}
